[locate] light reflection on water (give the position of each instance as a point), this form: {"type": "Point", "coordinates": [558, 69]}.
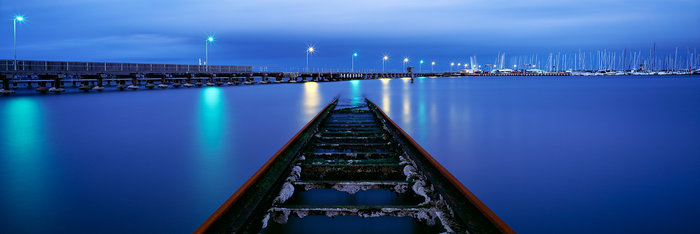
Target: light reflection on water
{"type": "Point", "coordinates": [214, 139]}
{"type": "Point", "coordinates": [23, 161]}
{"type": "Point", "coordinates": [356, 92]}
{"type": "Point", "coordinates": [422, 131]}
{"type": "Point", "coordinates": [386, 95]}
{"type": "Point", "coordinates": [212, 122]}
{"type": "Point", "coordinates": [311, 100]}
{"type": "Point", "coordinates": [406, 100]}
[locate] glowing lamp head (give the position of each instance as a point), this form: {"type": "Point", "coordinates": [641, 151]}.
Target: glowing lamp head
{"type": "Point", "coordinates": [465, 65]}
{"type": "Point", "coordinates": [433, 63]}
{"type": "Point", "coordinates": [386, 57]}
{"type": "Point", "coordinates": [421, 61]}
{"type": "Point", "coordinates": [310, 49]}
{"type": "Point", "coordinates": [515, 65]}
{"type": "Point", "coordinates": [459, 64]}
{"type": "Point", "coordinates": [19, 18]}
{"type": "Point", "coordinates": [533, 65]}
{"type": "Point", "coordinates": [354, 54]}
{"type": "Point", "coordinates": [210, 39]}
{"type": "Point", "coordinates": [452, 64]}
{"type": "Point", "coordinates": [405, 60]}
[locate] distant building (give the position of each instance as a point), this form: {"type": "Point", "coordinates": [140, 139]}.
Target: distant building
{"type": "Point", "coordinates": [470, 71]}
{"type": "Point", "coordinates": [535, 71]}
{"type": "Point", "coordinates": [503, 71]}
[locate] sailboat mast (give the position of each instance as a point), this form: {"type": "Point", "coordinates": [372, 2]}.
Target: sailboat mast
{"type": "Point", "coordinates": [653, 58]}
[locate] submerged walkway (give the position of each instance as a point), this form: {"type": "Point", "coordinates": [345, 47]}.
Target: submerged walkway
{"type": "Point", "coordinates": [352, 169]}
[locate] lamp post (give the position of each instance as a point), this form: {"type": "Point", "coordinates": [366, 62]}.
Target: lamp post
{"type": "Point", "coordinates": [209, 39]}
{"type": "Point", "coordinates": [384, 59]}
{"type": "Point", "coordinates": [420, 66]}
{"type": "Point", "coordinates": [309, 50]}
{"type": "Point", "coordinates": [352, 62]}
{"type": "Point", "coordinates": [451, 64]}
{"type": "Point", "coordinates": [432, 64]}
{"type": "Point", "coordinates": [14, 34]}
{"type": "Point", "coordinates": [405, 61]}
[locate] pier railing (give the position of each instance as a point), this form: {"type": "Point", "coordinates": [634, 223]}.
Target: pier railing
{"type": "Point", "coordinates": [324, 69]}
{"type": "Point", "coordinates": [96, 67]}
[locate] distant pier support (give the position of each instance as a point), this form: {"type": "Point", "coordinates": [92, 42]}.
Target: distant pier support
{"type": "Point", "coordinates": [164, 81]}
{"type": "Point", "coordinates": [57, 88]}
{"type": "Point", "coordinates": [100, 78]}
{"type": "Point", "coordinates": [134, 81]}
{"type": "Point", "coordinates": [6, 88]}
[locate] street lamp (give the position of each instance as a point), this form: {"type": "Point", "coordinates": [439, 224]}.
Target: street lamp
{"type": "Point", "coordinates": [420, 66]}
{"type": "Point", "coordinates": [309, 50]}
{"type": "Point", "coordinates": [384, 59]}
{"type": "Point", "coordinates": [352, 62]}
{"type": "Point", "coordinates": [209, 39]}
{"type": "Point", "coordinates": [405, 61]}
{"type": "Point", "coordinates": [451, 64]}
{"type": "Point", "coordinates": [14, 34]}
{"type": "Point", "coordinates": [431, 66]}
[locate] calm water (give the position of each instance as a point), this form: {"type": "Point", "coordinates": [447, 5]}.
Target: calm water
{"type": "Point", "coordinates": [548, 155]}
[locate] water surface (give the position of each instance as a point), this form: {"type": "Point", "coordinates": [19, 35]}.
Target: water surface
{"type": "Point", "coordinates": [548, 154]}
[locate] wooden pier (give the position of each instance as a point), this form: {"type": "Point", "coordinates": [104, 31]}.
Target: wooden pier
{"type": "Point", "coordinates": [56, 76]}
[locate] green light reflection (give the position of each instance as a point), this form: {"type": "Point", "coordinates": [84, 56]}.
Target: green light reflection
{"type": "Point", "coordinates": [422, 127]}
{"type": "Point", "coordinates": [355, 92]}
{"type": "Point", "coordinates": [24, 159]}
{"type": "Point", "coordinates": [213, 142]}
{"type": "Point", "coordinates": [212, 121]}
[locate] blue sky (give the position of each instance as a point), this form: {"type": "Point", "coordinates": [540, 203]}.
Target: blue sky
{"type": "Point", "coordinates": [275, 33]}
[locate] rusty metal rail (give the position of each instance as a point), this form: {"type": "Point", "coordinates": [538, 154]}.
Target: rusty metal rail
{"type": "Point", "coordinates": [366, 166]}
